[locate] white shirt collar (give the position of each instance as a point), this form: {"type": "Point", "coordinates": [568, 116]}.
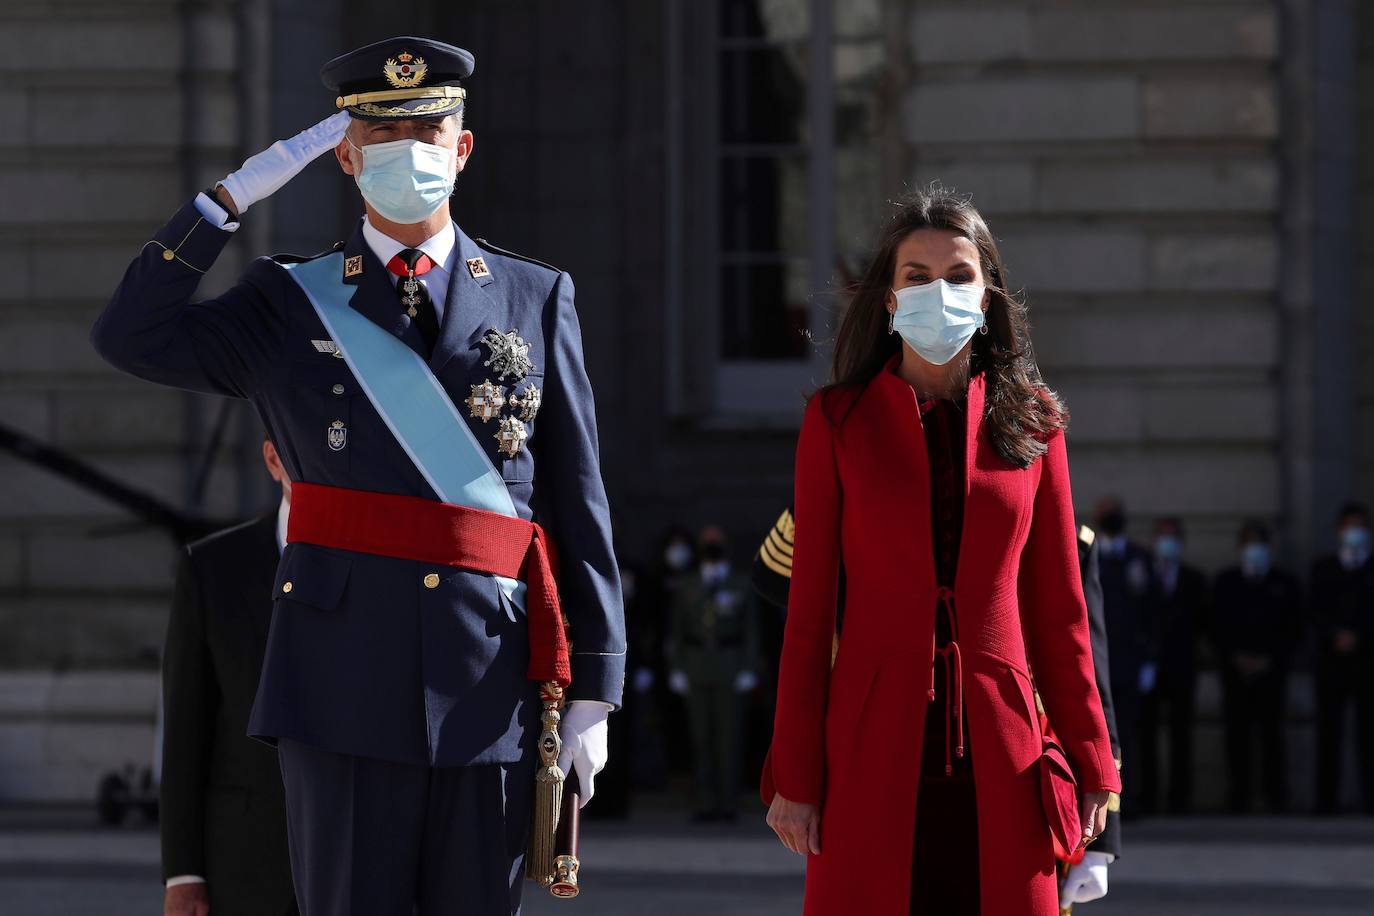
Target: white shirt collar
{"type": "Point", "coordinates": [283, 510]}
{"type": "Point", "coordinates": [439, 246]}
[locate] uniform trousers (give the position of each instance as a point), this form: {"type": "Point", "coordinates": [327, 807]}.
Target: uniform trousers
{"type": "Point", "coordinates": [374, 838]}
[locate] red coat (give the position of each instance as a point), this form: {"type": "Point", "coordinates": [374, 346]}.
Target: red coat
{"type": "Point", "coordinates": [850, 739]}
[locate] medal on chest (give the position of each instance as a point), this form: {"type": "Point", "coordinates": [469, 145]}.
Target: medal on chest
{"type": "Point", "coordinates": [509, 358]}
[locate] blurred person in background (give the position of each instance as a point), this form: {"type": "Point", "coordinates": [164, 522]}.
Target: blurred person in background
{"type": "Point", "coordinates": [934, 469]}
{"type": "Point", "coordinates": [713, 662]}
{"type": "Point", "coordinates": [1255, 624]}
{"type": "Point", "coordinates": [1343, 612]}
{"type": "Point", "coordinates": [1176, 605]}
{"type": "Point", "coordinates": [1124, 567]}
{"type": "Point", "coordinates": [222, 811]}
{"type": "Point", "coordinates": [669, 747]}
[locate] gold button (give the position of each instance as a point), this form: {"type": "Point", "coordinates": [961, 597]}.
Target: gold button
{"type": "Point", "coordinates": [168, 254]}
{"type": "Point", "coordinates": [286, 586]}
{"type": "Point", "coordinates": [338, 389]}
{"type": "Point", "coordinates": [432, 580]}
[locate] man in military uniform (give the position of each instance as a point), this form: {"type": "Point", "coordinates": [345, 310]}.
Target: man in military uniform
{"type": "Point", "coordinates": [1086, 880]}
{"type": "Point", "coordinates": [427, 395]}
{"type": "Point", "coordinates": [713, 660]}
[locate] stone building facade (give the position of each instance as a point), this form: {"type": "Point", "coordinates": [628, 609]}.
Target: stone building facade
{"type": "Point", "coordinates": [1173, 183]}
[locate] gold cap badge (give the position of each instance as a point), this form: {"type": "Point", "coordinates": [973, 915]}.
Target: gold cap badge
{"type": "Point", "coordinates": [405, 70]}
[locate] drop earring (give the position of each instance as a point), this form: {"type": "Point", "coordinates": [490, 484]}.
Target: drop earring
{"type": "Point", "coordinates": [983, 329]}
{"type": "Point", "coordinates": [891, 317]}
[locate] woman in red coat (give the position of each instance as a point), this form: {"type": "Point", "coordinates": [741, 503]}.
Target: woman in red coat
{"type": "Point", "coordinates": [933, 472]}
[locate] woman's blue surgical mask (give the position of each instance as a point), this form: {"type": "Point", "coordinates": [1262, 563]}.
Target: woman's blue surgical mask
{"type": "Point", "coordinates": [937, 319]}
{"type": "Point", "coordinates": [405, 180]}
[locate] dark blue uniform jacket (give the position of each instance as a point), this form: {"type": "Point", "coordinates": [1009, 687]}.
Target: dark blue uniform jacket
{"type": "Point", "coordinates": [362, 657]}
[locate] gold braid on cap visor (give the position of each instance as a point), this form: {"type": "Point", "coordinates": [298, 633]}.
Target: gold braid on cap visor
{"type": "Point", "coordinates": [445, 98]}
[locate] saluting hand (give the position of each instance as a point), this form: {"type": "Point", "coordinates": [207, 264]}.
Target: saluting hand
{"type": "Point", "coordinates": [798, 825]}
{"type": "Point", "coordinates": [187, 900]}
{"type": "Point", "coordinates": [1093, 814]}
{"type": "Point", "coordinates": [261, 175]}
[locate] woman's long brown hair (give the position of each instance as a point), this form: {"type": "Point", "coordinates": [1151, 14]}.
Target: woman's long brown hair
{"type": "Point", "coordinates": [1020, 410]}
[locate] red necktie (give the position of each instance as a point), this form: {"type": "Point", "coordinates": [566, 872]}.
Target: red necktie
{"type": "Point", "coordinates": [409, 266]}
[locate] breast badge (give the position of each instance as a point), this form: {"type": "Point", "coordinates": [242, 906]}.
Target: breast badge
{"type": "Point", "coordinates": [486, 401]}
{"type": "Point", "coordinates": [337, 435]}
{"type": "Point", "coordinates": [511, 436]}
{"type": "Point", "coordinates": [527, 402]}
{"type": "Point", "coordinates": [510, 354]}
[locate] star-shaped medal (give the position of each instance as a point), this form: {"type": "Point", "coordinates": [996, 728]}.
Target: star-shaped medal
{"type": "Point", "coordinates": [486, 401]}
{"type": "Point", "coordinates": [511, 436]}
{"type": "Point", "coordinates": [510, 354]}
{"type": "Point", "coordinates": [527, 402]}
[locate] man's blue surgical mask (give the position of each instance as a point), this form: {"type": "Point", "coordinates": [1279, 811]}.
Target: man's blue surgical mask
{"type": "Point", "coordinates": [1168, 548]}
{"type": "Point", "coordinates": [1354, 548]}
{"type": "Point", "coordinates": [1254, 559]}
{"type": "Point", "coordinates": [937, 319]}
{"type": "Point", "coordinates": [405, 180]}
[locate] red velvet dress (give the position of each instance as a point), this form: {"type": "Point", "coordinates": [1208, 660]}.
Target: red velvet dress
{"type": "Point", "coordinates": [851, 738]}
{"type": "Point", "coordinates": [944, 867]}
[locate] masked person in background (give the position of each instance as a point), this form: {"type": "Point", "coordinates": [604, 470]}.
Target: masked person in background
{"type": "Point", "coordinates": [1132, 641]}
{"type": "Point", "coordinates": [1255, 625]}
{"type": "Point", "coordinates": [1176, 605]}
{"type": "Point", "coordinates": [1343, 618]}
{"type": "Point", "coordinates": [418, 624]}
{"type": "Point", "coordinates": [934, 469]}
{"type": "Point", "coordinates": [713, 657]}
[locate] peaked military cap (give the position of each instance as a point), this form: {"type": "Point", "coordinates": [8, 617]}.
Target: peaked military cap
{"type": "Point", "coordinates": [398, 78]}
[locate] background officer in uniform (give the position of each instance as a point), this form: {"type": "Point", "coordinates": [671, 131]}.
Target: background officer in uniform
{"type": "Point", "coordinates": [399, 689]}
{"type": "Point", "coordinates": [222, 811]}
{"type": "Point", "coordinates": [1255, 628]}
{"type": "Point", "coordinates": [1343, 611]}
{"type": "Point", "coordinates": [1124, 568]}
{"type": "Point", "coordinates": [713, 657]}
{"type": "Point", "coordinates": [1176, 604]}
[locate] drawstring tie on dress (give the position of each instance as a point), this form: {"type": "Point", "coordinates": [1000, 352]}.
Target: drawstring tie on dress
{"type": "Point", "coordinates": [954, 678]}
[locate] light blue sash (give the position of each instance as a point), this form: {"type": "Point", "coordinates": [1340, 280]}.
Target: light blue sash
{"type": "Point", "coordinates": [409, 400]}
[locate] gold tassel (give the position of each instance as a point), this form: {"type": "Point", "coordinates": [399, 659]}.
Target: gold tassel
{"type": "Point", "coordinates": [548, 790]}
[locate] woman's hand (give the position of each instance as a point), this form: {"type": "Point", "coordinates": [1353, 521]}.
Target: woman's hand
{"type": "Point", "coordinates": [797, 825]}
{"type": "Point", "coordinates": [1093, 814]}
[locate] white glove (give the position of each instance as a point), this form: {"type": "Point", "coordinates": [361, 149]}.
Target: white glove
{"type": "Point", "coordinates": [746, 681]}
{"type": "Point", "coordinates": [1087, 880]}
{"type": "Point", "coordinates": [583, 731]}
{"type": "Point", "coordinates": [644, 679]}
{"type": "Point", "coordinates": [264, 173]}
{"type": "Point", "coordinates": [1148, 675]}
{"type": "Point", "coordinates": [678, 683]}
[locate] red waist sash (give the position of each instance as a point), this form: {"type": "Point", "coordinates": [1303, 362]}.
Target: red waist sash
{"type": "Point", "coordinates": [410, 528]}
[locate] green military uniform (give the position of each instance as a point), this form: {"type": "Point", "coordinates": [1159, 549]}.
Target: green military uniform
{"type": "Point", "coordinates": [714, 638]}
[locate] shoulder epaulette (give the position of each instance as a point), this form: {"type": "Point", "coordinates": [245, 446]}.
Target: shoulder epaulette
{"type": "Point", "coordinates": [302, 258]}
{"type": "Point", "coordinates": [1087, 535]}
{"type": "Point", "coordinates": [488, 246]}
{"type": "Point", "coordinates": [776, 550]}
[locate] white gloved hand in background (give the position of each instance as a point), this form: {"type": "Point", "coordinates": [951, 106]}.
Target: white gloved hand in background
{"type": "Point", "coordinates": [746, 681]}
{"type": "Point", "coordinates": [1087, 880]}
{"type": "Point", "coordinates": [678, 683]}
{"type": "Point", "coordinates": [583, 731]}
{"type": "Point", "coordinates": [267, 171]}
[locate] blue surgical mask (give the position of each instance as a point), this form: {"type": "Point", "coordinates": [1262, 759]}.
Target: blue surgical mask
{"type": "Point", "coordinates": [1168, 548]}
{"type": "Point", "coordinates": [937, 319]}
{"type": "Point", "coordinates": [1354, 548]}
{"type": "Point", "coordinates": [405, 180]}
{"type": "Point", "coordinates": [1254, 559]}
